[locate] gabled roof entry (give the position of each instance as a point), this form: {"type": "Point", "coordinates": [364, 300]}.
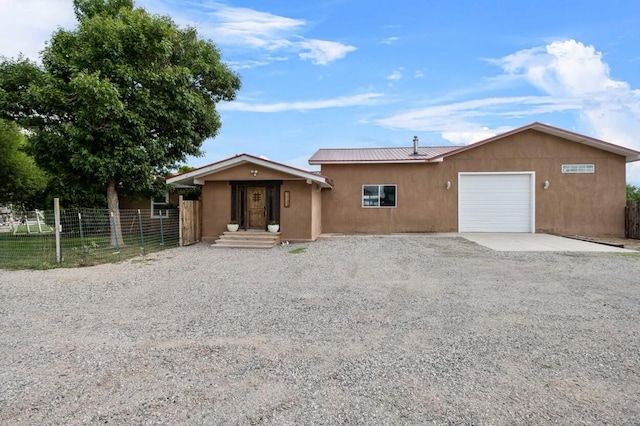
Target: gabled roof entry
{"type": "Point", "coordinates": [439, 153]}
{"type": "Point", "coordinates": [196, 176]}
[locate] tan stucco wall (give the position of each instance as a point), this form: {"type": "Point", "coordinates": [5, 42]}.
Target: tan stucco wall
{"type": "Point", "coordinates": [316, 211]}
{"type": "Point", "coordinates": [296, 220]}
{"type": "Point", "coordinates": [216, 209]}
{"type": "Point", "coordinates": [243, 172]}
{"type": "Point", "coordinates": [586, 204]}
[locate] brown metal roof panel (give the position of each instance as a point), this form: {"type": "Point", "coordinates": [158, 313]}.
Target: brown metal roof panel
{"type": "Point", "coordinates": [400, 154]}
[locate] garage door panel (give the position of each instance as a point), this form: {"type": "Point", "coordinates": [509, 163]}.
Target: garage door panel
{"type": "Point", "coordinates": [495, 202]}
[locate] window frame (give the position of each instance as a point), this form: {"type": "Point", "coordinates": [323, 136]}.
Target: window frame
{"type": "Point", "coordinates": [578, 168]}
{"type": "Point", "coordinates": [379, 206]}
{"type": "Point", "coordinates": [155, 203]}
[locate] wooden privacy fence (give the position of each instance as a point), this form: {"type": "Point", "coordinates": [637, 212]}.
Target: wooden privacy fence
{"type": "Point", "coordinates": [190, 221]}
{"type": "Point", "coordinates": [632, 220]}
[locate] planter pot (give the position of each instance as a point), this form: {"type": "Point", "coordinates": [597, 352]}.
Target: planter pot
{"type": "Point", "coordinates": [232, 227]}
{"type": "Point", "coordinates": [273, 228]}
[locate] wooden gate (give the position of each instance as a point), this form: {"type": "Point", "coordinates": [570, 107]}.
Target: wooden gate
{"type": "Point", "coordinates": [632, 220]}
{"type": "Point", "coordinates": [190, 221]}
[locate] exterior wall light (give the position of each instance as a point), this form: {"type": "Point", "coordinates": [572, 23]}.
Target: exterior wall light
{"type": "Point", "coordinates": [448, 185]}
{"type": "Point", "coordinates": [254, 172]}
{"type": "Point", "coordinates": [545, 185]}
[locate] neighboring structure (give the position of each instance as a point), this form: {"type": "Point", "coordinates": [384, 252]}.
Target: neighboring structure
{"type": "Point", "coordinates": [536, 178]}
{"type": "Point", "coordinates": [153, 205]}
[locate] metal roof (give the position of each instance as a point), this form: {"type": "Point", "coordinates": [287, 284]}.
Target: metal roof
{"type": "Point", "coordinates": [379, 155]}
{"type": "Point", "coordinates": [438, 153]}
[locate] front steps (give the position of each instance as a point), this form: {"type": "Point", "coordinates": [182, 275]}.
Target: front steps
{"type": "Point", "coordinates": [248, 239]}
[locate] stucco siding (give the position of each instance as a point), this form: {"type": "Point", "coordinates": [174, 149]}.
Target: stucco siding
{"type": "Point", "coordinates": [216, 209]}
{"type": "Point", "coordinates": [316, 212]}
{"type": "Point", "coordinates": [295, 220]}
{"type": "Point", "coordinates": [587, 204]}
{"type": "Point", "coordinates": [242, 172]}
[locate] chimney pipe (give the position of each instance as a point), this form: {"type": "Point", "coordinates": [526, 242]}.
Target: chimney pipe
{"type": "Point", "coordinates": [415, 145]}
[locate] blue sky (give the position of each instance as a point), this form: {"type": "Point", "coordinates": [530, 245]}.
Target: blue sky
{"type": "Point", "coordinates": [353, 73]}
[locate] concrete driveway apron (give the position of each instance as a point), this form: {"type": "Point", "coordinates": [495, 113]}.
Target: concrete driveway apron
{"type": "Point", "coordinates": [537, 242]}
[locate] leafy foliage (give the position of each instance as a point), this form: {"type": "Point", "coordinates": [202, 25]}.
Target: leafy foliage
{"type": "Point", "coordinates": [124, 97]}
{"type": "Point", "coordinates": [22, 182]}
{"type": "Point", "coordinates": [633, 192]}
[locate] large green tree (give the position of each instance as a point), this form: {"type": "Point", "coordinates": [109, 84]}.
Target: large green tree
{"type": "Point", "coordinates": [21, 181]}
{"type": "Point", "coordinates": [121, 99]}
{"type": "Point", "coordinates": [633, 192]}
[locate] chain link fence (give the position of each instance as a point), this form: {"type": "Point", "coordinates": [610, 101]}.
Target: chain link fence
{"type": "Point", "coordinates": [86, 237]}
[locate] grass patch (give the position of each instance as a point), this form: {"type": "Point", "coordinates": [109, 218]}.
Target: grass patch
{"type": "Point", "coordinates": [38, 251]}
{"type": "Point", "coordinates": [298, 250]}
{"type": "Point", "coordinates": [632, 255]}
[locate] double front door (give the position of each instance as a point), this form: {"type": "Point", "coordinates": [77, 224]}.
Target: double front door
{"type": "Point", "coordinates": [255, 204]}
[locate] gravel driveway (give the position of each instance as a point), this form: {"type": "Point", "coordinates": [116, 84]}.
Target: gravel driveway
{"type": "Point", "coordinates": [410, 329]}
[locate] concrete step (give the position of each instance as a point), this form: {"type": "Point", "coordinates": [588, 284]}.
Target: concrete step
{"type": "Point", "coordinates": [250, 235]}
{"type": "Point", "coordinates": [248, 239]}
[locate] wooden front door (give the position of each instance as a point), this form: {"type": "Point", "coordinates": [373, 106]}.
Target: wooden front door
{"type": "Point", "coordinates": [256, 207]}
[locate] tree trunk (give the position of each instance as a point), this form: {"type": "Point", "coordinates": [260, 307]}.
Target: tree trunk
{"type": "Point", "coordinates": [114, 206]}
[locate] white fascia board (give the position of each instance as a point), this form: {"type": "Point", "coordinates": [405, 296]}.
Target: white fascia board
{"type": "Point", "coordinates": [199, 175]}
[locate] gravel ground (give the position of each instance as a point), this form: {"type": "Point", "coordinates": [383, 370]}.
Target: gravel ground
{"type": "Point", "coordinates": [410, 329]}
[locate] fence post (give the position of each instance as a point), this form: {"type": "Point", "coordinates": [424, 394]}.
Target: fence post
{"type": "Point", "coordinates": [56, 219]}
{"type": "Point", "coordinates": [38, 221]}
{"type": "Point", "coordinates": [180, 213]}
{"type": "Point", "coordinates": [115, 236]}
{"type": "Point", "coordinates": [141, 233]}
{"type": "Point", "coordinates": [84, 252]}
{"type": "Point", "coordinates": [161, 232]}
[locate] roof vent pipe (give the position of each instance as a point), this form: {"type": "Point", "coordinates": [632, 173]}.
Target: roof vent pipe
{"type": "Point", "coordinates": [415, 145]}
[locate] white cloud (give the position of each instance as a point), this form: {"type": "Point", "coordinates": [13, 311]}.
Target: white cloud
{"type": "Point", "coordinates": [321, 52]}
{"type": "Point", "coordinates": [395, 75]}
{"type": "Point", "coordinates": [610, 109]}
{"type": "Point", "coordinates": [248, 27]}
{"type": "Point", "coordinates": [471, 136]}
{"type": "Point", "coordinates": [566, 68]}
{"type": "Point", "coordinates": [390, 40]}
{"type": "Point", "coordinates": [418, 74]}
{"type": "Point", "coordinates": [345, 101]}
{"type": "Point", "coordinates": [248, 64]}
{"type": "Point", "coordinates": [25, 25]}
{"type": "Point", "coordinates": [572, 77]}
{"type": "Point", "coordinates": [460, 116]}
{"type": "Point", "coordinates": [252, 29]}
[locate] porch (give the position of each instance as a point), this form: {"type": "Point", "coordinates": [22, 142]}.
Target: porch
{"type": "Point", "coordinates": [248, 239]}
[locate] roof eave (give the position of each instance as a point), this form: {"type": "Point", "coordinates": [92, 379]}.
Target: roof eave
{"type": "Point", "coordinates": [196, 177]}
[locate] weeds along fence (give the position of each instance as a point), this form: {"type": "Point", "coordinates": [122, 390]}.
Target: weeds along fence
{"type": "Point", "coordinates": [632, 219]}
{"type": "Point", "coordinates": [82, 237]}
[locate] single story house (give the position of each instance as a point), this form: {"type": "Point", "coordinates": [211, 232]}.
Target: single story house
{"type": "Point", "coordinates": [536, 178]}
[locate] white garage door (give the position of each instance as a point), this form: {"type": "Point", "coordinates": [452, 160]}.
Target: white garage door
{"type": "Point", "coordinates": [495, 202]}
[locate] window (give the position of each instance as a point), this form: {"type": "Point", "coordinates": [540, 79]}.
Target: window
{"type": "Point", "coordinates": [378, 195]}
{"type": "Point", "coordinates": [578, 168]}
{"type": "Point", "coordinates": [159, 204]}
